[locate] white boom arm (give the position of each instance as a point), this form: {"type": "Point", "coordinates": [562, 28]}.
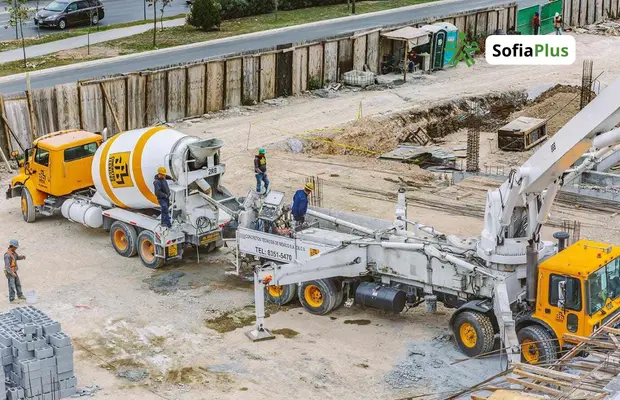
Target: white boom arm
{"type": "Point", "coordinates": [516, 211]}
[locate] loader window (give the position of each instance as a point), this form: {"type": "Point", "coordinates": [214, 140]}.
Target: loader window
{"type": "Point", "coordinates": [42, 157]}
{"type": "Point", "coordinates": [602, 285]}
{"type": "Point", "coordinates": [85, 150]}
{"type": "Point", "coordinates": [572, 295]}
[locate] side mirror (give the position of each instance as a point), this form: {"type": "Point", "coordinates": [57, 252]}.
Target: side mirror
{"type": "Point", "coordinates": [561, 294]}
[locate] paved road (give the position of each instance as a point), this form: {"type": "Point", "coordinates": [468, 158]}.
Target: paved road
{"type": "Point", "coordinates": [116, 12]}
{"type": "Point", "coordinates": [268, 39]}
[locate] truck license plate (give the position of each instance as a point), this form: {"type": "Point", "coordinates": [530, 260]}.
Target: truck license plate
{"type": "Point", "coordinates": [211, 237]}
{"type": "Point", "coordinates": [173, 251]}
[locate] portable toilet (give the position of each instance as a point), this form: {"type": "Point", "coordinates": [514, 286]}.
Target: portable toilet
{"type": "Point", "coordinates": [437, 45]}
{"type": "Point", "coordinates": [452, 38]}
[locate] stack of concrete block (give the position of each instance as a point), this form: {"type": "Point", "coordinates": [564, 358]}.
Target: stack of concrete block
{"type": "Point", "coordinates": [37, 357]}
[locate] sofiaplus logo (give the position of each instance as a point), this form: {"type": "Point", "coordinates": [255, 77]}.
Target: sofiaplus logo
{"type": "Point", "coordinates": [530, 50]}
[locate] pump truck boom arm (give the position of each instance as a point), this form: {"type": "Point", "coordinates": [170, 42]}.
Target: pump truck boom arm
{"type": "Point", "coordinates": [520, 206]}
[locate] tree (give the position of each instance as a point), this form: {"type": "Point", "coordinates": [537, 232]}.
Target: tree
{"type": "Point", "coordinates": [164, 4]}
{"type": "Point", "coordinates": [153, 3]}
{"type": "Point", "coordinates": [205, 15]}
{"type": "Point", "coordinates": [18, 13]}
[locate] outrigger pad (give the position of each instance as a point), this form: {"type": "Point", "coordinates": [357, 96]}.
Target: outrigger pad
{"type": "Point", "coordinates": [258, 335]}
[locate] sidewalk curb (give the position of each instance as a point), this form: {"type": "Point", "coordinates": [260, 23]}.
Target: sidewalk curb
{"type": "Point", "coordinates": [47, 71]}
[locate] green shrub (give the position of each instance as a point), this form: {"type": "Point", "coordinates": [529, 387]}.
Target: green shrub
{"type": "Point", "coordinates": [205, 15]}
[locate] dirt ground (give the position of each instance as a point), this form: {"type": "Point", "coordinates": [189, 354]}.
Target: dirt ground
{"type": "Point", "coordinates": [178, 333]}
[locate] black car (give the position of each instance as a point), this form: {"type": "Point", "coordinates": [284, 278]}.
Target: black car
{"type": "Point", "coordinates": [62, 13]}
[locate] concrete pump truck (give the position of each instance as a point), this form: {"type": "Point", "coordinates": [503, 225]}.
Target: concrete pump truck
{"type": "Point", "coordinates": [509, 288]}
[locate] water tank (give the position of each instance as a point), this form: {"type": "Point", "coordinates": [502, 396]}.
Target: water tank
{"type": "Point", "coordinates": [125, 165]}
{"type": "Point", "coordinates": [82, 212]}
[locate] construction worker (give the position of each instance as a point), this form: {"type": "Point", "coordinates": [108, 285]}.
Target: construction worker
{"type": "Point", "coordinates": [162, 192]}
{"type": "Point", "coordinates": [10, 270]}
{"type": "Point", "coordinates": [260, 170]}
{"type": "Point", "coordinates": [557, 23]}
{"type": "Point", "coordinates": [536, 23]}
{"type": "Point", "coordinates": [300, 203]}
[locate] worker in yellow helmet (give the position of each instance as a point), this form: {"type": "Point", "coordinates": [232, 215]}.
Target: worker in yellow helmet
{"type": "Point", "coordinates": [162, 192]}
{"type": "Point", "coordinates": [300, 203]}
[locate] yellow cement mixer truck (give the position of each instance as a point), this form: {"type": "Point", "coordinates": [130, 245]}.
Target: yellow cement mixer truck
{"type": "Point", "coordinates": [108, 183]}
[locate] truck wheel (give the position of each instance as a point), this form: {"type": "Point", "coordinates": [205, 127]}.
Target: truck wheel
{"type": "Point", "coordinates": [474, 333]}
{"type": "Point", "coordinates": [123, 238]}
{"type": "Point", "coordinates": [28, 210]}
{"type": "Point", "coordinates": [318, 297]}
{"type": "Point", "coordinates": [146, 250]}
{"type": "Point", "coordinates": [281, 295]}
{"type": "Point", "coordinates": [537, 345]}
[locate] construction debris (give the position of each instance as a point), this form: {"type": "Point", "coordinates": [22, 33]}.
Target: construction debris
{"type": "Point", "coordinates": [606, 28]}
{"type": "Point", "coordinates": [359, 78]}
{"type": "Point", "coordinates": [574, 376]}
{"type": "Point", "coordinates": [37, 357]}
{"type": "Point", "coordinates": [424, 156]}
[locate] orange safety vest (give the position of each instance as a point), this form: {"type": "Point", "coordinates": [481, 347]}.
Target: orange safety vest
{"type": "Point", "coordinates": [13, 262]}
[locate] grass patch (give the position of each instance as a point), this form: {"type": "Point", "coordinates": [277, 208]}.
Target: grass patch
{"type": "Point", "coordinates": [182, 35]}
{"type": "Point", "coordinates": [50, 35]}
{"type": "Point", "coordinates": [286, 332]}
{"type": "Point", "coordinates": [37, 63]}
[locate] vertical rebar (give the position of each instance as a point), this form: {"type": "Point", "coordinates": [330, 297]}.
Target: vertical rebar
{"type": "Point", "coordinates": [473, 149]}
{"type": "Point", "coordinates": [316, 196]}
{"type": "Point", "coordinates": [586, 83]}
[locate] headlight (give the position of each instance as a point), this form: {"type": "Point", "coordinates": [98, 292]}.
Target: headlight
{"type": "Point", "coordinates": [51, 17]}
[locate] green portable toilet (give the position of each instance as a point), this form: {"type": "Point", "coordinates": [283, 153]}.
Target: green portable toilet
{"type": "Point", "coordinates": [437, 45]}
{"type": "Point", "coordinates": [452, 39]}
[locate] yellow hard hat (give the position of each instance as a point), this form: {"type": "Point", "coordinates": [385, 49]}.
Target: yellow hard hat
{"type": "Point", "coordinates": [162, 170]}
{"type": "Point", "coordinates": [309, 186]}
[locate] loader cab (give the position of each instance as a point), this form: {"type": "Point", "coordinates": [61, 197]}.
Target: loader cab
{"type": "Point", "coordinates": [57, 165]}
{"type": "Point", "coordinates": [578, 289]}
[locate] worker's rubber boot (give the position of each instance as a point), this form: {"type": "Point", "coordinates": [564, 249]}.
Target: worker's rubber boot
{"type": "Point", "coordinates": [22, 297]}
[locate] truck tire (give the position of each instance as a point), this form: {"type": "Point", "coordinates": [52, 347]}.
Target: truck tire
{"type": "Point", "coordinates": [318, 297]}
{"type": "Point", "coordinates": [537, 345]}
{"type": "Point", "coordinates": [474, 333]}
{"type": "Point", "coordinates": [28, 210]}
{"type": "Point", "coordinates": [281, 295]}
{"type": "Point", "coordinates": [146, 250]}
{"type": "Point", "coordinates": [124, 238]}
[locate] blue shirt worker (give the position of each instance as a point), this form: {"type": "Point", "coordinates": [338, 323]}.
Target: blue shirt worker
{"type": "Point", "coordinates": [10, 270]}
{"type": "Point", "coordinates": [300, 203]}
{"type": "Point", "coordinates": [162, 192]}
{"type": "Point", "coordinates": [260, 170]}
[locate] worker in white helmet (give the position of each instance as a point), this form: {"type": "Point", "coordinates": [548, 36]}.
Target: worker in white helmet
{"type": "Point", "coordinates": [10, 270]}
{"type": "Point", "coordinates": [162, 192]}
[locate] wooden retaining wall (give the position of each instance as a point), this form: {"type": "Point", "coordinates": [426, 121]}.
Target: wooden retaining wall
{"type": "Point", "coordinates": [140, 99]}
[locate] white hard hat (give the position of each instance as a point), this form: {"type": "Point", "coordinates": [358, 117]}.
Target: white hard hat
{"type": "Point", "coordinates": [14, 243]}
{"type": "Point", "coordinates": [557, 14]}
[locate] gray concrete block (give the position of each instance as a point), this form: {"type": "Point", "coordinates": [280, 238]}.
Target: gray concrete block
{"type": "Point", "coordinates": [30, 329]}
{"type": "Point", "coordinates": [65, 351]}
{"type": "Point", "coordinates": [19, 344]}
{"type": "Point", "coordinates": [12, 394]}
{"type": "Point", "coordinates": [65, 375]}
{"type": "Point", "coordinates": [60, 340]}
{"type": "Point", "coordinates": [44, 353]}
{"type": "Point", "coordinates": [7, 360]}
{"type": "Point", "coordinates": [5, 350]}
{"type": "Point", "coordinates": [51, 328]}
{"type": "Point", "coordinates": [68, 392]}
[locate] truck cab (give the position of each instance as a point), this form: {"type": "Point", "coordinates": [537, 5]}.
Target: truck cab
{"type": "Point", "coordinates": [58, 164]}
{"type": "Point", "coordinates": [578, 291]}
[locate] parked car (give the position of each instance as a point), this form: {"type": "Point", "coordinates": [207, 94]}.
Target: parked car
{"type": "Point", "coordinates": [62, 13]}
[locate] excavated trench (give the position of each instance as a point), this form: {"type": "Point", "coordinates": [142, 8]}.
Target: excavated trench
{"type": "Point", "coordinates": [487, 112]}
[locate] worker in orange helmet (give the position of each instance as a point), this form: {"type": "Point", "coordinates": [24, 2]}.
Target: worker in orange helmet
{"type": "Point", "coordinates": [162, 192]}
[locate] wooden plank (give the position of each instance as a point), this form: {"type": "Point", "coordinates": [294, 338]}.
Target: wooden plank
{"type": "Point", "coordinates": [591, 16]}
{"type": "Point", "coordinates": [545, 371]}
{"type": "Point", "coordinates": [176, 91]}
{"type": "Point", "coordinates": [300, 70]}
{"type": "Point", "coordinates": [583, 12]}
{"type": "Point", "coordinates": [359, 53]}
{"type": "Point", "coordinates": [215, 86]}
{"type": "Point", "coordinates": [156, 98]}
{"type": "Point", "coordinates": [572, 384]}
{"type": "Point", "coordinates": [599, 10]}
{"type": "Point", "coordinates": [345, 57]}
{"type": "Point", "coordinates": [267, 76]}
{"type": "Point", "coordinates": [136, 101]}
{"type": "Point", "coordinates": [481, 24]}
{"type": "Point", "coordinates": [234, 76]}
{"type": "Point", "coordinates": [459, 22]}
{"type": "Point", "coordinates": [512, 18]}
{"type": "Point", "coordinates": [330, 62]}
{"type": "Point", "coordinates": [470, 24]}
{"type": "Point", "coordinates": [534, 386]}
{"type": "Point", "coordinates": [372, 52]}
{"type": "Point", "coordinates": [315, 66]}
{"type": "Point", "coordinates": [251, 72]}
{"type": "Point", "coordinates": [196, 83]}
{"type": "Point", "coordinates": [491, 22]}
{"type": "Point", "coordinates": [590, 341]}
{"type": "Point", "coordinates": [574, 16]}
{"type": "Point", "coordinates": [116, 109]}
{"type": "Point", "coordinates": [609, 329]}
